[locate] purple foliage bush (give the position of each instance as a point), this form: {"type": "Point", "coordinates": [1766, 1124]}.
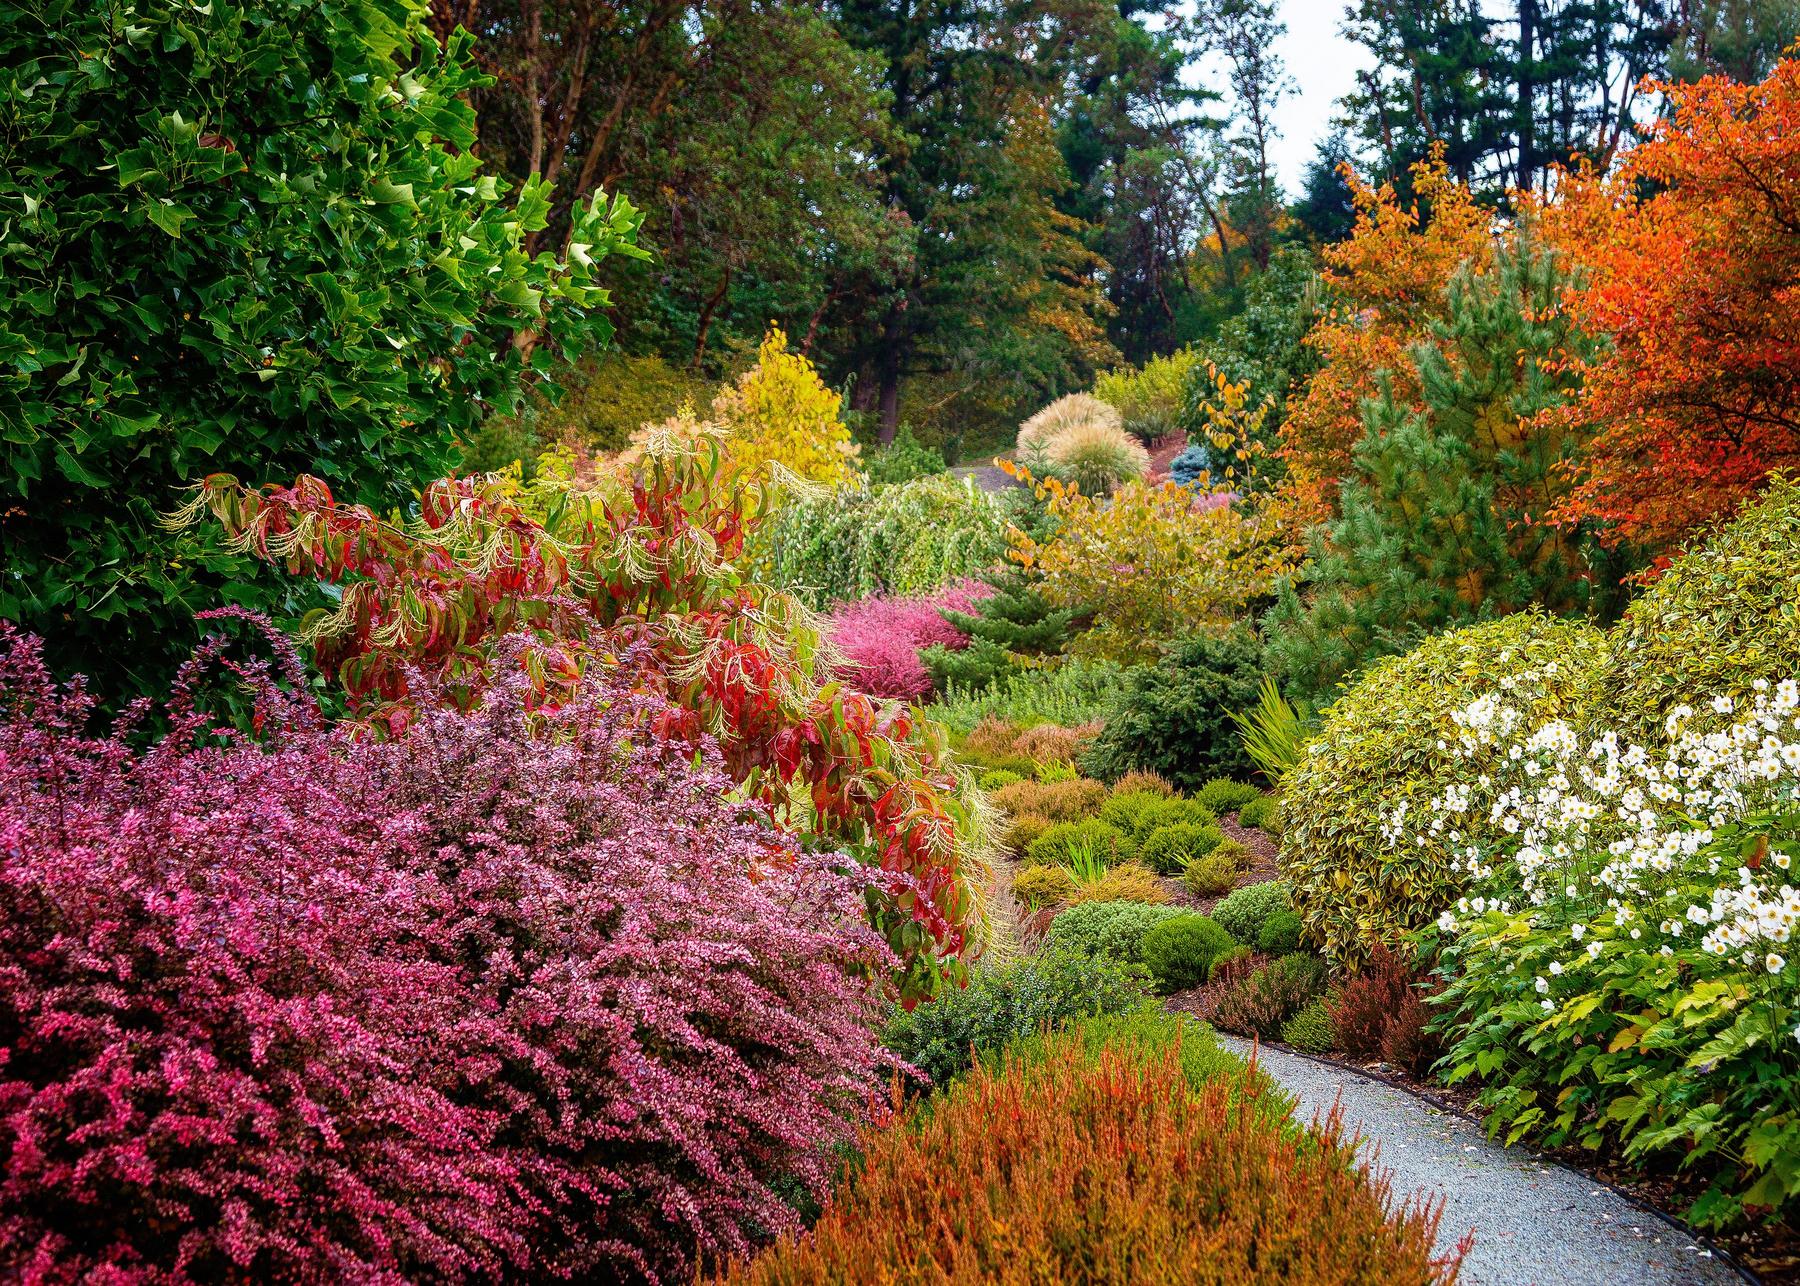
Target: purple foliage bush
{"type": "Point", "coordinates": [880, 638]}
{"type": "Point", "coordinates": [520, 993]}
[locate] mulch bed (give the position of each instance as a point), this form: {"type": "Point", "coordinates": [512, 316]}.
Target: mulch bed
{"type": "Point", "coordinates": [1162, 452]}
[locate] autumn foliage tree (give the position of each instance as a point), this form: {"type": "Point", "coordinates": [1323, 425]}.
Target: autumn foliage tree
{"type": "Point", "coordinates": [1692, 256]}
{"type": "Point", "coordinates": [1387, 283]}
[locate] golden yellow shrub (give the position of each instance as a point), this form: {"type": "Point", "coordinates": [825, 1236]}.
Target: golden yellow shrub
{"type": "Point", "coordinates": [780, 413]}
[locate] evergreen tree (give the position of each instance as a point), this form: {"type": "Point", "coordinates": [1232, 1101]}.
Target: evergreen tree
{"type": "Point", "coordinates": [1325, 209]}
{"type": "Point", "coordinates": [1014, 623]}
{"type": "Point", "coordinates": [1442, 519]}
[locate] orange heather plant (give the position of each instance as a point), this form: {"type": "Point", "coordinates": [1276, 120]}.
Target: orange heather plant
{"type": "Point", "coordinates": [650, 567]}
{"type": "Point", "coordinates": [1697, 399]}
{"type": "Point", "coordinates": [1387, 281]}
{"type": "Point", "coordinates": [1104, 1165]}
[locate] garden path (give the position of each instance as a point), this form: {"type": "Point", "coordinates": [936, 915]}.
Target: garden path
{"type": "Point", "coordinates": [1536, 1223]}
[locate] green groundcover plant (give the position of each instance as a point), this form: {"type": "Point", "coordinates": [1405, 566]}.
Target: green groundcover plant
{"type": "Point", "coordinates": [1625, 969]}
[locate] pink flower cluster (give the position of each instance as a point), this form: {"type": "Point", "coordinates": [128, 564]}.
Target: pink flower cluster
{"type": "Point", "coordinates": [880, 638]}
{"type": "Point", "coordinates": [521, 993]}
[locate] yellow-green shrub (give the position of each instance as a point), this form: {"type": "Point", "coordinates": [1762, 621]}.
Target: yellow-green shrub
{"type": "Point", "coordinates": [1126, 882]}
{"type": "Point", "coordinates": [1724, 614]}
{"type": "Point", "coordinates": [1152, 564]}
{"type": "Point", "coordinates": [781, 412]}
{"type": "Point", "coordinates": [1215, 872]}
{"type": "Point", "coordinates": [1021, 829]}
{"type": "Point", "coordinates": [1062, 842]}
{"type": "Point", "coordinates": [1149, 398]}
{"type": "Point", "coordinates": [1040, 886]}
{"type": "Point", "coordinates": [1388, 744]}
{"type": "Point", "coordinates": [605, 400]}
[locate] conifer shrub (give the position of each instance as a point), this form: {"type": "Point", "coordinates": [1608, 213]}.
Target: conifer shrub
{"type": "Point", "coordinates": [1246, 910]}
{"type": "Point", "coordinates": [1126, 882]}
{"type": "Point", "coordinates": [1170, 850]}
{"type": "Point", "coordinates": [1021, 830]}
{"type": "Point", "coordinates": [1011, 626]}
{"type": "Point", "coordinates": [522, 992]}
{"type": "Point", "coordinates": [1058, 845]}
{"type": "Point", "coordinates": [1138, 813]}
{"type": "Point", "coordinates": [1224, 796]}
{"type": "Point", "coordinates": [1389, 745]}
{"type": "Point", "coordinates": [1280, 934]}
{"type": "Point", "coordinates": [1060, 1158]}
{"type": "Point", "coordinates": [1009, 1002]}
{"type": "Point", "coordinates": [1179, 952]}
{"type": "Point", "coordinates": [1042, 886]}
{"type": "Point", "coordinates": [1113, 929]}
{"type": "Point", "coordinates": [1175, 718]}
{"type": "Point", "coordinates": [902, 460]}
{"type": "Point", "coordinates": [995, 778]}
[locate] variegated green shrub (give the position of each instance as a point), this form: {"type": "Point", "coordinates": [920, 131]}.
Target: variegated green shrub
{"type": "Point", "coordinates": [1386, 747]}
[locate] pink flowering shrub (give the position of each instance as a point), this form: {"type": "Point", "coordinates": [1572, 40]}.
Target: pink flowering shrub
{"type": "Point", "coordinates": [880, 638]}
{"type": "Point", "coordinates": [519, 993]}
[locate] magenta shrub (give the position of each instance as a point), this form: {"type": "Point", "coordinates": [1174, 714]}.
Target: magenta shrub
{"type": "Point", "coordinates": [521, 993]}
{"type": "Point", "coordinates": [880, 638]}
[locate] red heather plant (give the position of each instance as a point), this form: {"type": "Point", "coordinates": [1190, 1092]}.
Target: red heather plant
{"type": "Point", "coordinates": [881, 638]}
{"type": "Point", "coordinates": [1381, 1013]}
{"type": "Point", "coordinates": [651, 564]}
{"type": "Point", "coordinates": [520, 992]}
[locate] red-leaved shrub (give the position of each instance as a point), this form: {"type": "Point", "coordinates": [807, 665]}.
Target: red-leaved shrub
{"type": "Point", "coordinates": [1381, 1014]}
{"type": "Point", "coordinates": [520, 992]}
{"type": "Point", "coordinates": [880, 638]}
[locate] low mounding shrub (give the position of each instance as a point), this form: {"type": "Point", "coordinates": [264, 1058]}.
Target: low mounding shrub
{"type": "Point", "coordinates": [1244, 913]}
{"type": "Point", "coordinates": [1169, 850]}
{"type": "Point", "coordinates": [1217, 871]}
{"type": "Point", "coordinates": [902, 460]}
{"type": "Point", "coordinates": [1180, 951]}
{"type": "Point", "coordinates": [1175, 719]}
{"type": "Point", "coordinates": [1138, 780]}
{"type": "Point", "coordinates": [1141, 812]}
{"type": "Point", "coordinates": [1060, 1161]}
{"type": "Point", "coordinates": [1015, 1000]}
{"type": "Point", "coordinates": [1021, 830]}
{"type": "Point", "coordinates": [1126, 882]}
{"type": "Point", "coordinates": [1069, 413]}
{"type": "Point", "coordinates": [521, 992]}
{"type": "Point", "coordinates": [1053, 743]}
{"type": "Point", "coordinates": [1309, 1030]}
{"type": "Point", "coordinates": [1280, 934]}
{"type": "Point", "coordinates": [1388, 746]}
{"type": "Point", "coordinates": [1072, 693]}
{"type": "Point", "coordinates": [1380, 1013]}
{"type": "Point", "coordinates": [1260, 1003]}
{"type": "Point", "coordinates": [1063, 842]}
{"type": "Point", "coordinates": [1721, 616]}
{"type": "Point", "coordinates": [994, 778]}
{"type": "Point", "coordinates": [1059, 801]}
{"type": "Point", "coordinates": [1149, 398]}
{"type": "Point", "coordinates": [1096, 457]}
{"type": "Point", "coordinates": [1261, 813]}
{"type": "Point", "coordinates": [1041, 886]}
{"type": "Point", "coordinates": [1114, 929]}
{"type": "Point", "coordinates": [1225, 796]}
{"type": "Point", "coordinates": [880, 639]}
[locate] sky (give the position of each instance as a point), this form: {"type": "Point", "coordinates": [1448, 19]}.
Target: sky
{"type": "Point", "coordinates": [1323, 67]}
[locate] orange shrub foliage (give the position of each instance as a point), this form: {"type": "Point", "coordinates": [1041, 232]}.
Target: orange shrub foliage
{"type": "Point", "coordinates": [1388, 282]}
{"type": "Point", "coordinates": [1108, 1169]}
{"type": "Point", "coordinates": [1698, 398]}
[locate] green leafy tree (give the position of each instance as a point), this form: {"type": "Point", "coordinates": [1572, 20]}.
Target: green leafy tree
{"type": "Point", "coordinates": [1442, 519]}
{"type": "Point", "coordinates": [242, 237]}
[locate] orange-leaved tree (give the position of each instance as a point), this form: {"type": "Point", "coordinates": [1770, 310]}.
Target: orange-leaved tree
{"type": "Point", "coordinates": [1387, 283]}
{"type": "Point", "coordinates": [1691, 258]}
{"type": "Point", "coordinates": [643, 572]}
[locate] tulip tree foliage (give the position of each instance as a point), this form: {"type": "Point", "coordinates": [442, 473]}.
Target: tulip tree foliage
{"type": "Point", "coordinates": [243, 235]}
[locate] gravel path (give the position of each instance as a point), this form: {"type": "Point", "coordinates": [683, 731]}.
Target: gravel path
{"type": "Point", "coordinates": [1535, 1223]}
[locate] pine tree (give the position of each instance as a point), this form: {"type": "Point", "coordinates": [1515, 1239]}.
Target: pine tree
{"type": "Point", "coordinates": [1012, 624]}
{"type": "Point", "coordinates": [1442, 518]}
